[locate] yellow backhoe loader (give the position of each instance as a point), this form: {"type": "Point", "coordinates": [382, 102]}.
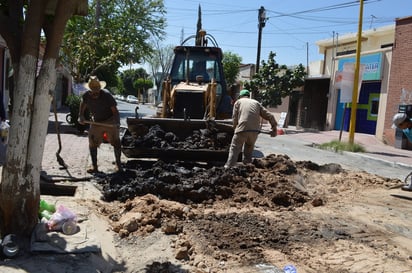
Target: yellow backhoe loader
{"type": "Point", "coordinates": [194, 122]}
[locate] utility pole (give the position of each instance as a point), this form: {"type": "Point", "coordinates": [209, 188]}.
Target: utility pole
{"type": "Point", "coordinates": [307, 58]}
{"type": "Point", "coordinates": [356, 78]}
{"type": "Point", "coordinates": [261, 25]}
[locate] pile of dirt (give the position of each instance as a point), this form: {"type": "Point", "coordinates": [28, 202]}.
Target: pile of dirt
{"type": "Point", "coordinates": [247, 215]}
{"type": "Point", "coordinates": [195, 183]}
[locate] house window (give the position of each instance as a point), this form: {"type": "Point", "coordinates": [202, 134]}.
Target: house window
{"type": "Point", "coordinates": [347, 52]}
{"type": "Point", "coordinates": [374, 106]}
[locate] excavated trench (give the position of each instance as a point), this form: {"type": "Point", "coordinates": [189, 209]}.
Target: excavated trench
{"type": "Point", "coordinates": [238, 214]}
{"type": "Point", "coordinates": [270, 183]}
{"type": "Point", "coordinates": [270, 178]}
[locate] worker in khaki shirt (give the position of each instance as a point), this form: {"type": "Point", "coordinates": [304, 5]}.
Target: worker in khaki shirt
{"type": "Point", "coordinates": [247, 113]}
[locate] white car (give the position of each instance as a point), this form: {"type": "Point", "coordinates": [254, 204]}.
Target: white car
{"type": "Point", "coordinates": [118, 97]}
{"type": "Point", "coordinates": [132, 99]}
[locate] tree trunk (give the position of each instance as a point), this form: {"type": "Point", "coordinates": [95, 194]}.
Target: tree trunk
{"type": "Point", "coordinates": [19, 196]}
{"type": "Point", "coordinates": [20, 183]}
{"type": "Point", "coordinates": [45, 87]}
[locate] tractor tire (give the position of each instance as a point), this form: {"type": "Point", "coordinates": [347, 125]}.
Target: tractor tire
{"type": "Point", "coordinates": [69, 119]}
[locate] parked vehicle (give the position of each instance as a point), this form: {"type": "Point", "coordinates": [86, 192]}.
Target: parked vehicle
{"type": "Point", "coordinates": [132, 99]}
{"type": "Point", "coordinates": [118, 97]}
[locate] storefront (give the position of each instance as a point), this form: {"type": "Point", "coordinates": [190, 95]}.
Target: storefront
{"type": "Point", "coordinates": [369, 96]}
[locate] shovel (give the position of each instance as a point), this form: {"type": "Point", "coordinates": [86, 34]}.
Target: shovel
{"type": "Point", "coordinates": [56, 124]}
{"type": "Point", "coordinates": [267, 132]}
{"type": "Point", "coordinates": [99, 123]}
{"type": "Point", "coordinates": [122, 128]}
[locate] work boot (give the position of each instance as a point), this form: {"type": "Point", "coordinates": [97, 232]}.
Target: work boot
{"type": "Point", "coordinates": [117, 155]}
{"type": "Point", "coordinates": [93, 155]}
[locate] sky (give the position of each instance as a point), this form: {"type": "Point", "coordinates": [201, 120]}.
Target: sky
{"type": "Point", "coordinates": [291, 30]}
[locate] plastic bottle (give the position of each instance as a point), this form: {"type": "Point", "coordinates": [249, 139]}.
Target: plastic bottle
{"type": "Point", "coordinates": [46, 214]}
{"type": "Point", "coordinates": [69, 227]}
{"type": "Point", "coordinates": [289, 269]}
{"type": "Point", "coordinates": [46, 206]}
{"type": "Point", "coordinates": [10, 246]}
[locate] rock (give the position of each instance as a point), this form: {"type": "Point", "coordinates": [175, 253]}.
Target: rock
{"type": "Point", "coordinates": [316, 202]}
{"type": "Point", "coordinates": [182, 253]}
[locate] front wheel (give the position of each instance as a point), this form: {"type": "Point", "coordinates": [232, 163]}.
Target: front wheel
{"type": "Point", "coordinates": [69, 119]}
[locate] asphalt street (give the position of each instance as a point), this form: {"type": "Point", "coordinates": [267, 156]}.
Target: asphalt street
{"type": "Point", "coordinates": [388, 162]}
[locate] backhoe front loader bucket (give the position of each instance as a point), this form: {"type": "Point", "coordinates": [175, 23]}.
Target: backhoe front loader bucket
{"type": "Point", "coordinates": [177, 139]}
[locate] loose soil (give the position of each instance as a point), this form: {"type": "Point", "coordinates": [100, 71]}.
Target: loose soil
{"type": "Point", "coordinates": [260, 217]}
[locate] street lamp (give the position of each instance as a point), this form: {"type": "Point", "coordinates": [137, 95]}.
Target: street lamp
{"type": "Point", "coordinates": [261, 25]}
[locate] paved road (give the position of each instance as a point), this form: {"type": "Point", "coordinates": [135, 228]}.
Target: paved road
{"type": "Point", "coordinates": [128, 110]}
{"type": "Point", "coordinates": [300, 148]}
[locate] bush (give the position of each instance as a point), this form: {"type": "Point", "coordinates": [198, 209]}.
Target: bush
{"type": "Point", "coordinates": [73, 101]}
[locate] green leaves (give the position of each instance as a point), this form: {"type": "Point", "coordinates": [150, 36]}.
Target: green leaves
{"type": "Point", "coordinates": [135, 80]}
{"type": "Point", "coordinates": [231, 63]}
{"type": "Point", "coordinates": [113, 34]}
{"type": "Point", "coordinates": [274, 82]}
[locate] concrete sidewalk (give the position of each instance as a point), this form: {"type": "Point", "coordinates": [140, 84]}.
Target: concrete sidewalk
{"type": "Point", "coordinates": [73, 151]}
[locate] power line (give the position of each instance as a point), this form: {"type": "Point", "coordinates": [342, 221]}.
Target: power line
{"type": "Point", "coordinates": [267, 47]}
{"type": "Point", "coordinates": [335, 20]}
{"type": "Point", "coordinates": [241, 32]}
{"type": "Point", "coordinates": [332, 7]}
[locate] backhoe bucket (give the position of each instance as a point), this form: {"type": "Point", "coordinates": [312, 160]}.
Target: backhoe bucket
{"type": "Point", "coordinates": [177, 139]}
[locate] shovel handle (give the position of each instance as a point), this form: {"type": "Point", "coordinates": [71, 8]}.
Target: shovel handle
{"type": "Point", "coordinates": [268, 133]}
{"type": "Point", "coordinates": [99, 123]}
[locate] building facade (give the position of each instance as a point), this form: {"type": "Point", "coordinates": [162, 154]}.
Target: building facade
{"type": "Point", "coordinates": [386, 86]}
{"type": "Point", "coordinates": [63, 81]}
{"type": "Point", "coordinates": [375, 58]}
{"type": "Point", "coordinates": [400, 82]}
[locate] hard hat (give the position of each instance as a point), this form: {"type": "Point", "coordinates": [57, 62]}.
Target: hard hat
{"type": "Point", "coordinates": [244, 93]}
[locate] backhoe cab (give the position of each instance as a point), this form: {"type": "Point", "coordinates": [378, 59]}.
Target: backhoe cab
{"type": "Point", "coordinates": [196, 87]}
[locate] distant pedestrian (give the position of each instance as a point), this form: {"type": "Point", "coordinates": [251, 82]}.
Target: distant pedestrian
{"type": "Point", "coordinates": [103, 109]}
{"type": "Point", "coordinates": [404, 123]}
{"type": "Point", "coordinates": [247, 114]}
